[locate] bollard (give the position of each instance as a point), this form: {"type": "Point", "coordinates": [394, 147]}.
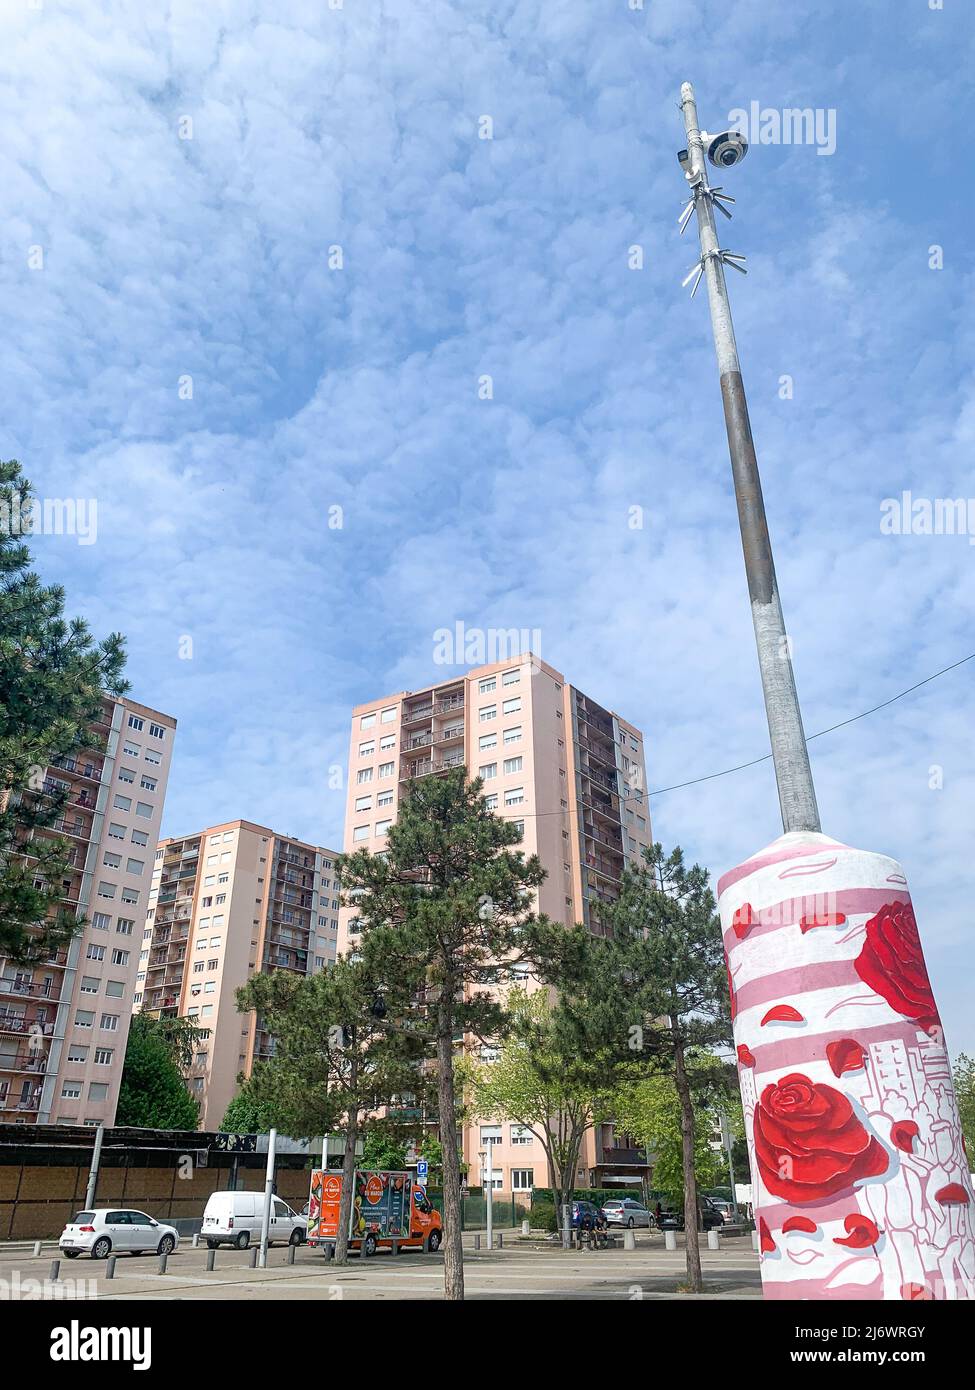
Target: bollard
{"type": "Point", "coordinates": [714, 1239]}
{"type": "Point", "coordinates": [629, 1239]}
{"type": "Point", "coordinates": [477, 1242]}
{"type": "Point", "coordinates": [255, 1251]}
{"type": "Point", "coordinates": [196, 1241]}
{"type": "Point", "coordinates": [37, 1248]}
{"type": "Point", "coordinates": [211, 1258]}
{"type": "Point", "coordinates": [110, 1267]}
{"type": "Point", "coordinates": [291, 1254]}
{"type": "Point", "coordinates": [526, 1228]}
{"type": "Point", "coordinates": [501, 1240]}
{"type": "Point", "coordinates": [55, 1271]}
{"type": "Point", "coordinates": [670, 1240]}
{"type": "Point", "coordinates": [754, 1240]}
{"type": "Point", "coordinates": [163, 1258]}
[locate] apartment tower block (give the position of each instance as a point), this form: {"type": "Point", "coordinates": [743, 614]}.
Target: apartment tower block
{"type": "Point", "coordinates": [570, 773]}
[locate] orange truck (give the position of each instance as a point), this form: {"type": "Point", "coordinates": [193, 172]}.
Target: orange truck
{"type": "Point", "coordinates": [386, 1208]}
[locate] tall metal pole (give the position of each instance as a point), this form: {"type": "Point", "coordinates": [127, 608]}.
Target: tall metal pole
{"type": "Point", "coordinates": [95, 1165]}
{"type": "Point", "coordinates": [790, 756]}
{"type": "Point", "coordinates": [272, 1140]}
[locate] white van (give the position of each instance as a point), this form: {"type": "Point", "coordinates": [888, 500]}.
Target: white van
{"type": "Point", "coordinates": [234, 1218]}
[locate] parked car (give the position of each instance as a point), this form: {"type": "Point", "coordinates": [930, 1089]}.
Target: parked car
{"type": "Point", "coordinates": [580, 1209]}
{"type": "Point", "coordinates": [626, 1211]}
{"type": "Point", "coordinates": [107, 1231]}
{"type": "Point", "coordinates": [672, 1218]}
{"type": "Point", "coordinates": [234, 1218]}
{"type": "Point", "coordinates": [725, 1208]}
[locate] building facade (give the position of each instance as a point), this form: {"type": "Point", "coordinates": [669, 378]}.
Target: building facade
{"type": "Point", "coordinates": [64, 1021]}
{"type": "Point", "coordinates": [571, 773]}
{"type": "Point", "coordinates": [225, 903]}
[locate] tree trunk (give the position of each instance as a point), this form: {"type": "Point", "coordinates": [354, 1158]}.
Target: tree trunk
{"type": "Point", "coordinates": [453, 1247]}
{"type": "Point", "coordinates": [692, 1248]}
{"type": "Point", "coordinates": [348, 1177]}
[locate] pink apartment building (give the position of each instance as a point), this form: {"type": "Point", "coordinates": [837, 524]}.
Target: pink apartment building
{"type": "Point", "coordinates": [571, 773]}
{"type": "Point", "coordinates": [224, 903]}
{"type": "Point", "coordinates": [64, 1021]}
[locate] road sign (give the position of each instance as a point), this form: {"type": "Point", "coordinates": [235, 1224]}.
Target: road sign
{"type": "Point", "coordinates": [422, 1169]}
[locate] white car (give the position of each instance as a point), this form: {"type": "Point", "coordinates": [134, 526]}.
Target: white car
{"type": "Point", "coordinates": [624, 1211]}
{"type": "Point", "coordinates": [112, 1230]}
{"type": "Point", "coordinates": [234, 1218]}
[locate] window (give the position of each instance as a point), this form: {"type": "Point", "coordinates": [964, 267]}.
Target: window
{"type": "Point", "coordinates": [135, 722]}
{"type": "Point", "coordinates": [100, 921]}
{"type": "Point", "coordinates": [364, 775]}
{"type": "Point", "coordinates": [77, 1053]}
{"type": "Point", "coordinates": [514, 796]}
{"type": "Point", "coordinates": [366, 721]}
{"type": "Point", "coordinates": [386, 769]}
{"type": "Point", "coordinates": [490, 1134]}
{"type": "Point", "coordinates": [213, 964]}
{"type": "Point", "coordinates": [487, 770]}
{"type": "Point", "coordinates": [226, 856]}
{"type": "Point", "coordinates": [142, 808]}
{"type": "Point", "coordinates": [382, 827]}
{"type": "Point", "coordinates": [151, 756]}
{"type": "Point", "coordinates": [209, 987]}
{"type": "Point", "coordinates": [120, 957]}
{"type": "Point", "coordinates": [491, 802]}
{"type": "Point", "coordinates": [84, 1019]}
{"type": "Point", "coordinates": [124, 926]}
{"type": "Point", "coordinates": [388, 716]}
{"type": "Point", "coordinates": [487, 741]}
{"type": "Point", "coordinates": [487, 713]}
{"type": "Point", "coordinates": [71, 1090]}
{"type": "Point", "coordinates": [157, 731]}
{"type": "Point", "coordinates": [117, 832]}
{"type": "Point", "coordinates": [522, 1179]}
{"type": "Point", "coordinates": [131, 749]}
{"type": "Point", "coordinates": [103, 1056]}
{"type": "Point", "coordinates": [115, 989]}
{"type": "Point", "coordinates": [134, 866]}
{"type": "Point", "coordinates": [366, 750]}
{"type": "Point", "coordinates": [122, 803]}
{"type": "Point", "coordinates": [511, 706]}
{"type": "Point", "coordinates": [89, 984]}
{"type": "Point", "coordinates": [486, 686]}
{"type": "Point", "coordinates": [126, 774]}
{"type": "Point", "coordinates": [361, 832]}
{"type": "Point", "coordinates": [147, 783]}
{"type": "Point", "coordinates": [98, 1090]}
{"type": "Point", "coordinates": [129, 895]}
{"type": "Point", "coordinates": [513, 735]}
{"type": "Point", "coordinates": [520, 827]}
{"type": "Point", "coordinates": [95, 952]}
{"type": "Point", "coordinates": [109, 1023]}
{"type": "Point", "coordinates": [513, 764]}
{"type": "Point", "coordinates": [387, 742]}
{"type": "Point", "coordinates": [363, 803]}
{"type": "Point", "coordinates": [198, 967]}
{"type": "Point", "coordinates": [139, 837]}
{"type": "Point", "coordinates": [106, 890]}
{"type": "Point", "coordinates": [385, 799]}
{"type": "Point", "coordinates": [511, 678]}
{"type": "Point", "coordinates": [111, 861]}
{"type": "Point", "coordinates": [521, 1134]}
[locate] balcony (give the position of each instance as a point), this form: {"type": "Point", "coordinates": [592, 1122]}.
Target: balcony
{"type": "Point", "coordinates": [420, 741]}
{"type": "Point", "coordinates": [625, 1158]}
{"type": "Point", "coordinates": [89, 770]}
{"type": "Point", "coordinates": [26, 1023]}
{"type": "Point", "coordinates": [26, 1059]}
{"type": "Point", "coordinates": [413, 714]}
{"type": "Point", "coordinates": [448, 703]}
{"type": "Point", "coordinates": [448, 735]}
{"type": "Point", "coordinates": [42, 989]}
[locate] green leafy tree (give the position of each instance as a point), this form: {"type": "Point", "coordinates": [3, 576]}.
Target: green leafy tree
{"type": "Point", "coordinates": [52, 677]}
{"type": "Point", "coordinates": [534, 1082]}
{"type": "Point", "coordinates": [654, 991]}
{"type": "Point", "coordinates": [445, 907]}
{"type": "Point", "coordinates": [649, 1109]}
{"type": "Point", "coordinates": [346, 1048]}
{"type": "Point", "coordinates": [247, 1115]}
{"type": "Point", "coordinates": [153, 1094]}
{"type": "Point", "coordinates": [383, 1150]}
{"type": "Point", "coordinates": [964, 1074]}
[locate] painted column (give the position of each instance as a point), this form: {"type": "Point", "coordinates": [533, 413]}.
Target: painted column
{"type": "Point", "coordinates": [860, 1183]}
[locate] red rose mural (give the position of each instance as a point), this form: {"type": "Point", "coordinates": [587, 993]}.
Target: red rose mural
{"type": "Point", "coordinates": [745, 1055]}
{"type": "Point", "coordinates": [902, 1135]}
{"type": "Point", "coordinates": [845, 1055]}
{"type": "Point", "coordinates": [809, 1143]}
{"type": "Point", "coordinates": [861, 1232]}
{"type": "Point", "coordinates": [892, 964]}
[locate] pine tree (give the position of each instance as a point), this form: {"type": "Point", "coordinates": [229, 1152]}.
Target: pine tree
{"type": "Point", "coordinates": [445, 907]}
{"type": "Point", "coordinates": [153, 1094]}
{"type": "Point", "coordinates": [347, 1047]}
{"type": "Point", "coordinates": [52, 676]}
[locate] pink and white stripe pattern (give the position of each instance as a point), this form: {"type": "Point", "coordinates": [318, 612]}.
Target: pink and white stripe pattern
{"type": "Point", "coordinates": [860, 1182]}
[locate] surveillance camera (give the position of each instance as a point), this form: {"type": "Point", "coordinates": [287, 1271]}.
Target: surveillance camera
{"type": "Point", "coordinates": [726, 149]}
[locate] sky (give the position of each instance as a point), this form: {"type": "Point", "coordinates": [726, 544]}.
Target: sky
{"type": "Point", "coordinates": [360, 320]}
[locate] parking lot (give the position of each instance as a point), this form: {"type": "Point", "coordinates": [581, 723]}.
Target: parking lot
{"type": "Point", "coordinates": [520, 1270]}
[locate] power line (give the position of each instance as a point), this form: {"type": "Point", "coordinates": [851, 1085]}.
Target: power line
{"type": "Point", "coordinates": [766, 757]}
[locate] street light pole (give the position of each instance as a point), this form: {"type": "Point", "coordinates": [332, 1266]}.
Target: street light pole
{"type": "Point", "coordinates": [790, 756]}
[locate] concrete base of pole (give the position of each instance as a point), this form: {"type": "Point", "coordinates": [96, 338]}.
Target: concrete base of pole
{"type": "Point", "coordinates": [526, 1228]}
{"type": "Point", "coordinates": [670, 1240]}
{"type": "Point", "coordinates": [629, 1239]}
{"type": "Point", "coordinates": [196, 1241]}
{"type": "Point", "coordinates": [110, 1267]}
{"type": "Point", "coordinates": [211, 1259]}
{"type": "Point", "coordinates": [255, 1256]}
{"type": "Point", "coordinates": [714, 1240]}
{"type": "Point", "coordinates": [291, 1254]}
{"type": "Point", "coordinates": [163, 1261]}
{"type": "Point", "coordinates": [841, 1057]}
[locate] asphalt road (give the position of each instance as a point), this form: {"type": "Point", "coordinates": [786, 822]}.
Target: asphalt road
{"type": "Point", "coordinates": [519, 1271]}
